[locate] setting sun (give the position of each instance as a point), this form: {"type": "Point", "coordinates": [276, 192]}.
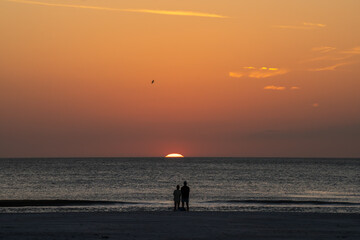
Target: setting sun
{"type": "Point", "coordinates": [174, 155]}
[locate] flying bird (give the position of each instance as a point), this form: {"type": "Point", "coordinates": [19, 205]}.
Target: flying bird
{"type": "Point", "coordinates": [152, 81]}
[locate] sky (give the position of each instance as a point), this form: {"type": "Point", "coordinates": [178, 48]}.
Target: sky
{"type": "Point", "coordinates": [232, 78]}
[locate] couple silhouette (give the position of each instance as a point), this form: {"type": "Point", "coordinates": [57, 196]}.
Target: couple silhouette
{"type": "Point", "coordinates": [184, 194]}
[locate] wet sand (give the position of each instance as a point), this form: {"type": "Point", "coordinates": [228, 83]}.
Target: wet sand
{"type": "Point", "coordinates": [180, 225]}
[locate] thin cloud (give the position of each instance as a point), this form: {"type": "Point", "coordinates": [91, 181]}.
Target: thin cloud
{"type": "Point", "coordinates": [332, 54]}
{"type": "Point", "coordinates": [328, 68]}
{"type": "Point", "coordinates": [272, 87]}
{"type": "Point", "coordinates": [315, 105]}
{"type": "Point", "coordinates": [304, 26]}
{"type": "Point", "coordinates": [292, 27]}
{"type": "Point", "coordinates": [323, 49]}
{"type": "Point", "coordinates": [314, 24]}
{"type": "Point", "coordinates": [178, 13]}
{"type": "Point", "coordinates": [332, 58]}
{"type": "Point", "coordinates": [263, 72]}
{"type": "Point", "coordinates": [326, 58]}
{"type": "Point", "coordinates": [236, 74]}
{"type": "Point", "coordinates": [295, 88]}
{"type": "Point", "coordinates": [353, 51]}
{"type": "Point", "coordinates": [162, 12]}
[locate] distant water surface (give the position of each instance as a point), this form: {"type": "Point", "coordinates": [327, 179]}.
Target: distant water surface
{"type": "Point", "coordinates": [217, 184]}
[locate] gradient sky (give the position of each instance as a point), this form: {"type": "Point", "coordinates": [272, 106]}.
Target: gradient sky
{"type": "Point", "coordinates": [232, 78]}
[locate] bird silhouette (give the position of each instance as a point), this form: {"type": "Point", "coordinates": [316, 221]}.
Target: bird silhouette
{"type": "Point", "coordinates": [152, 81]}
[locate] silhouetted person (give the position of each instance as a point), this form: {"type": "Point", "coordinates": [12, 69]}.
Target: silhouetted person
{"type": "Point", "coordinates": [185, 192]}
{"type": "Point", "coordinates": [177, 194]}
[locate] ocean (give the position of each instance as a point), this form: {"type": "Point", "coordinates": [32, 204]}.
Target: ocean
{"type": "Point", "coordinates": [147, 184]}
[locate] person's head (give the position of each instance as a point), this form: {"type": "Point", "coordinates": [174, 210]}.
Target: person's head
{"type": "Point", "coordinates": [177, 187]}
{"type": "Point", "coordinates": [185, 183]}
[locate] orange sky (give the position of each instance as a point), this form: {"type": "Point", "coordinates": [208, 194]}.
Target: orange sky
{"type": "Point", "coordinates": [232, 78]}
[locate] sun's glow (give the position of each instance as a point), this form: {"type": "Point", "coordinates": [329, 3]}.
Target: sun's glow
{"type": "Point", "coordinates": [174, 155]}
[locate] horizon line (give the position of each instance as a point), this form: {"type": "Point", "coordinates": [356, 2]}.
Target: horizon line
{"type": "Point", "coordinates": [97, 157]}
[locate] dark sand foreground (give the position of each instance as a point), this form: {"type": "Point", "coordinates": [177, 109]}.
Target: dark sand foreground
{"type": "Point", "coordinates": [180, 225]}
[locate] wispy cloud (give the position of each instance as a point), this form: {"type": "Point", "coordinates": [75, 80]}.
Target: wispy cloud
{"type": "Point", "coordinates": [314, 24]}
{"type": "Point", "coordinates": [162, 12]}
{"type": "Point", "coordinates": [272, 87]}
{"type": "Point", "coordinates": [280, 88]}
{"type": "Point", "coordinates": [323, 49]}
{"type": "Point", "coordinates": [178, 13]}
{"type": "Point", "coordinates": [303, 26]}
{"type": "Point", "coordinates": [328, 68]}
{"type": "Point", "coordinates": [326, 58]}
{"type": "Point", "coordinates": [236, 74]}
{"type": "Point", "coordinates": [331, 58]}
{"type": "Point", "coordinates": [253, 72]}
{"type": "Point", "coordinates": [353, 51]}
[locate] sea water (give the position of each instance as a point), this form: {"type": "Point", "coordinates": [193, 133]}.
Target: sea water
{"type": "Point", "coordinates": [217, 184]}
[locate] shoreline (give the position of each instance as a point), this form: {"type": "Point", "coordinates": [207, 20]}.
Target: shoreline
{"type": "Point", "coordinates": [179, 225]}
{"type": "Point", "coordinates": [67, 202]}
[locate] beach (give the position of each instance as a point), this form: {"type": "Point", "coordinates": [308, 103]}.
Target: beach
{"type": "Point", "coordinates": [180, 225]}
{"type": "Point", "coordinates": [132, 198]}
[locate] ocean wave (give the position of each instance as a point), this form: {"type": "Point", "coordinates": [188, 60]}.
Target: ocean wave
{"type": "Point", "coordinates": [286, 202]}
{"type": "Point", "coordinates": [57, 203]}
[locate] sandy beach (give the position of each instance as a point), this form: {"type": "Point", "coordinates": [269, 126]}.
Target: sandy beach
{"type": "Point", "coordinates": [180, 225]}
